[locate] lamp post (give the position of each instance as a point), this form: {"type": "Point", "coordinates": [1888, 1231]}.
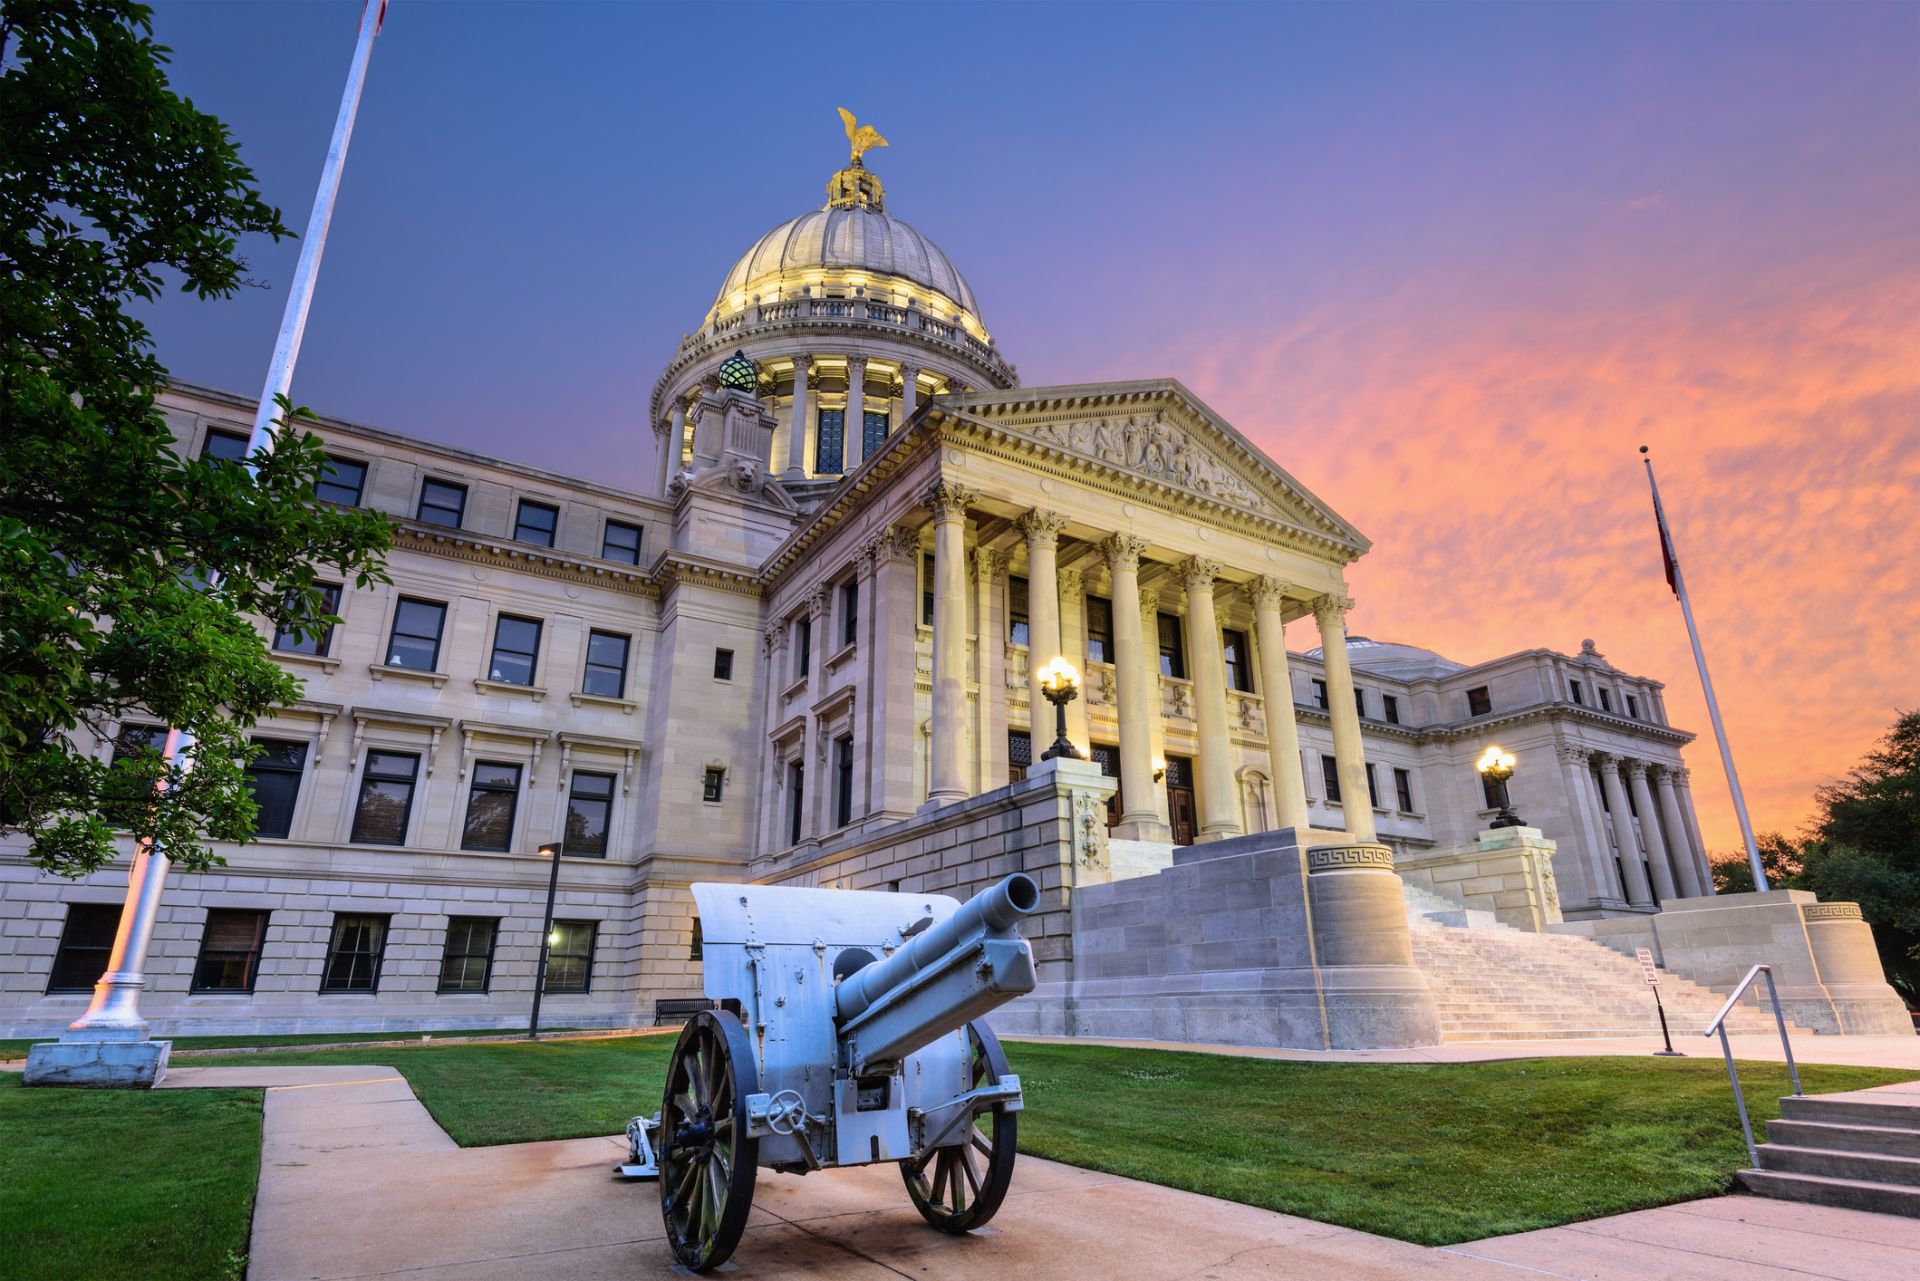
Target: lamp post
{"type": "Point", "coordinates": [1498, 766]}
{"type": "Point", "coordinates": [1061, 684]}
{"type": "Point", "coordinates": [550, 850]}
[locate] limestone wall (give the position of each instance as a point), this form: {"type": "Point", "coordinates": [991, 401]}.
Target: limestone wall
{"type": "Point", "coordinates": [1508, 873]}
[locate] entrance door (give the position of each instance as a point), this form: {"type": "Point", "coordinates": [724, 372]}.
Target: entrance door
{"type": "Point", "coordinates": [1180, 810]}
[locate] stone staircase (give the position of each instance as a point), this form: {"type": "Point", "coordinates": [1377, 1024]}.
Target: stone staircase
{"type": "Point", "coordinates": [1496, 983]}
{"type": "Point", "coordinates": [1860, 1151]}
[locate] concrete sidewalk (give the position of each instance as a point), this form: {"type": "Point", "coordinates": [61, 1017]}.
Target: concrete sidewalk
{"type": "Point", "coordinates": [357, 1181]}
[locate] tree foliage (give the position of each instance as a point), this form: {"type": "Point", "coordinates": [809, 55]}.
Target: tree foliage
{"type": "Point", "coordinates": [132, 575]}
{"type": "Point", "coordinates": [1864, 847]}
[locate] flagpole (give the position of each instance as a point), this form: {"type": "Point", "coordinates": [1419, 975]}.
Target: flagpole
{"type": "Point", "coordinates": [1706, 682]}
{"type": "Point", "coordinates": [114, 1012]}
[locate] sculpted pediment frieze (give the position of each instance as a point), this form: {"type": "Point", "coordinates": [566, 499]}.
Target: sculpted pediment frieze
{"type": "Point", "coordinates": [1151, 446]}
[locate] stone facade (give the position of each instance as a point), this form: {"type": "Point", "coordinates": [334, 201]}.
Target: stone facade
{"type": "Point", "coordinates": [809, 655]}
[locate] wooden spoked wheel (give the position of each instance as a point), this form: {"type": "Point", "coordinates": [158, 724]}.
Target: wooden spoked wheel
{"type": "Point", "coordinates": [958, 1188]}
{"type": "Point", "coordinates": [707, 1160]}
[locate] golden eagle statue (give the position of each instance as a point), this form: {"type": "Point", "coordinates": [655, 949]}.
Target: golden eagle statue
{"type": "Point", "coordinates": [862, 138]}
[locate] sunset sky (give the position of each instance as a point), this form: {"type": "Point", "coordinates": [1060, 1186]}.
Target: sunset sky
{"type": "Point", "coordinates": [1448, 265]}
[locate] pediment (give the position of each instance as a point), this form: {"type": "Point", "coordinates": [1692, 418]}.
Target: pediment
{"type": "Point", "coordinates": [1161, 433]}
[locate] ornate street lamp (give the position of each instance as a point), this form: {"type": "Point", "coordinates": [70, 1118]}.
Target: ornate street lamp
{"type": "Point", "coordinates": [1498, 766]}
{"type": "Point", "coordinates": [1159, 769]}
{"type": "Point", "coordinates": [550, 850]}
{"type": "Point", "coordinates": [1061, 684]}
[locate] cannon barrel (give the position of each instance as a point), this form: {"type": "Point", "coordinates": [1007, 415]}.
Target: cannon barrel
{"type": "Point", "coordinates": [943, 977]}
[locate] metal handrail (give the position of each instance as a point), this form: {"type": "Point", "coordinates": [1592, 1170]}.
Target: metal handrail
{"type": "Point", "coordinates": [1719, 1025]}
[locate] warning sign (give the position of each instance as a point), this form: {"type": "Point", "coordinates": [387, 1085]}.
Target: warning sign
{"type": "Point", "coordinates": [1647, 966]}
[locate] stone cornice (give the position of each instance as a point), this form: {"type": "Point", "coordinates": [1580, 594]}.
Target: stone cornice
{"type": "Point", "coordinates": [675, 570]}
{"type": "Point", "coordinates": [475, 549]}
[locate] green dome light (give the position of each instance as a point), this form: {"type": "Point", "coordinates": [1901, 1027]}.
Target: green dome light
{"type": "Point", "coordinates": [739, 373]}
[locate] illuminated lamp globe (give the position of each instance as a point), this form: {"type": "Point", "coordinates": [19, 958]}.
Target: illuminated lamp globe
{"type": "Point", "coordinates": [739, 373]}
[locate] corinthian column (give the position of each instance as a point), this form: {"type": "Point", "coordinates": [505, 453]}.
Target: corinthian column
{"type": "Point", "coordinates": [676, 436]}
{"type": "Point", "coordinates": [797, 435]}
{"type": "Point", "coordinates": [946, 760]}
{"type": "Point", "coordinates": [1686, 870]}
{"type": "Point", "coordinates": [855, 446]}
{"type": "Point", "coordinates": [1589, 827]}
{"type": "Point", "coordinates": [1219, 815]}
{"type": "Point", "coordinates": [1276, 686]}
{"type": "Point", "coordinates": [1349, 753]}
{"type": "Point", "coordinates": [1683, 790]}
{"type": "Point", "coordinates": [909, 392]}
{"type": "Point", "coordinates": [1650, 835]}
{"type": "Point", "coordinates": [1633, 872]}
{"type": "Point", "coordinates": [1136, 696]}
{"type": "Point", "coordinates": [1073, 643]}
{"type": "Point", "coordinates": [1041, 529]}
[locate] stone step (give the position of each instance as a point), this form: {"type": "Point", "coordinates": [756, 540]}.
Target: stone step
{"type": "Point", "coordinates": [1867, 1167]}
{"type": "Point", "coordinates": [1851, 1110]}
{"type": "Point", "coordinates": [1887, 1139]}
{"type": "Point", "coordinates": [1850, 1194]}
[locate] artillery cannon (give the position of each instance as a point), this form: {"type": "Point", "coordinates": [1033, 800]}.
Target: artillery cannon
{"type": "Point", "coordinates": [847, 1030]}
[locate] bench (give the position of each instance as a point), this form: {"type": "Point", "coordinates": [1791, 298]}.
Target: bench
{"type": "Point", "coordinates": [678, 1008]}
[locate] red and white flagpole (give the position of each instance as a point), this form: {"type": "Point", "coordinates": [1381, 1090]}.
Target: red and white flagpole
{"type": "Point", "coordinates": [1678, 581]}
{"type": "Point", "coordinates": [114, 1013]}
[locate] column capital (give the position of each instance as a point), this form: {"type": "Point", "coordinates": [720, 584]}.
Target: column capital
{"type": "Point", "coordinates": [1636, 770]}
{"type": "Point", "coordinates": [1267, 590]}
{"type": "Point", "coordinates": [774, 639]}
{"type": "Point", "coordinates": [1331, 609]}
{"type": "Point", "coordinates": [1574, 754]}
{"type": "Point", "coordinates": [1040, 527]}
{"type": "Point", "coordinates": [1682, 776]}
{"type": "Point", "coordinates": [856, 367]}
{"type": "Point", "coordinates": [818, 599]}
{"type": "Point", "coordinates": [1123, 551]}
{"type": "Point", "coordinates": [948, 501]}
{"type": "Point", "coordinates": [1197, 573]}
{"type": "Point", "coordinates": [803, 371]}
{"type": "Point", "coordinates": [1070, 581]}
{"type": "Point", "coordinates": [909, 373]}
{"type": "Point", "coordinates": [894, 544]}
{"type": "Point", "coordinates": [863, 561]}
{"type": "Point", "coordinates": [662, 427]}
{"type": "Point", "coordinates": [989, 563]}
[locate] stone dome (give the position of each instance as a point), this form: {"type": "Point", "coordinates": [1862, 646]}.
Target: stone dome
{"type": "Point", "coordinates": [1391, 658]}
{"type": "Point", "coordinates": [844, 241]}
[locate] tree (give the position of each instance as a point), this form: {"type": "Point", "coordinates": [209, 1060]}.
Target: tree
{"type": "Point", "coordinates": [132, 576]}
{"type": "Point", "coordinates": [1864, 847]}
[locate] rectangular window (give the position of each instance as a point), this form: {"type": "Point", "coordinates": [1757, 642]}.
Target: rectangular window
{"type": "Point", "coordinates": [1390, 709]}
{"type": "Point", "coordinates": [535, 522]}
{"type": "Point", "coordinates": [1579, 695]}
{"type": "Point", "coordinates": [606, 674]}
{"type": "Point", "coordinates": [289, 641]}
{"type": "Point", "coordinates": [802, 647]}
{"type": "Point", "coordinates": [223, 447]}
{"type": "Point", "coordinates": [796, 799]}
{"type": "Point", "coordinates": [1234, 652]}
{"type": "Point", "coordinates": [493, 793]}
{"type": "Point", "coordinates": [1099, 629]}
{"type": "Point", "coordinates": [386, 798]}
{"type": "Point", "coordinates": [1478, 702]}
{"type": "Point", "coordinates": [829, 442]}
{"type": "Point", "coordinates": [723, 664]}
{"type": "Point", "coordinates": [516, 643]}
{"type": "Point", "coordinates": [1373, 787]}
{"type": "Point", "coordinates": [570, 956]}
{"type": "Point", "coordinates": [415, 643]}
{"type": "Point", "coordinates": [926, 590]}
{"type": "Point", "coordinates": [1633, 707]}
{"type": "Point", "coordinates": [1330, 775]}
{"type": "Point", "coordinates": [442, 503]}
{"type": "Point", "coordinates": [1019, 754]}
{"type": "Point", "coordinates": [467, 963]}
{"type": "Point", "coordinates": [86, 941]}
{"type": "Point", "coordinates": [274, 776]}
{"type": "Point", "coordinates": [1359, 700]}
{"type": "Point", "coordinates": [1016, 610]}
{"type": "Point", "coordinates": [353, 954]}
{"type": "Point", "coordinates": [1606, 698]}
{"type": "Point", "coordinates": [1173, 647]}
{"type": "Point", "coordinates": [1320, 694]}
{"type": "Point", "coordinates": [341, 482]}
{"type": "Point", "coordinates": [874, 434]}
{"type": "Point", "coordinates": [713, 785]}
{"type": "Point", "coordinates": [621, 542]}
{"type": "Point", "coordinates": [1403, 789]}
{"type": "Point", "coordinates": [843, 780]}
{"type": "Point", "coordinates": [589, 815]}
{"type": "Point", "coordinates": [849, 612]}
{"type": "Point", "coordinates": [230, 951]}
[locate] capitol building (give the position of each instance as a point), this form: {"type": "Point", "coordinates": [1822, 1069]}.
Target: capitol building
{"type": "Point", "coordinates": [812, 652]}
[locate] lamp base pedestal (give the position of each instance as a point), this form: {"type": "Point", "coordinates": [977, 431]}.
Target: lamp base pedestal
{"type": "Point", "coordinates": [98, 1064]}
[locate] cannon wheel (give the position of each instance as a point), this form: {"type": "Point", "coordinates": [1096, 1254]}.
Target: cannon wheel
{"type": "Point", "coordinates": [958, 1188]}
{"type": "Point", "coordinates": [707, 1159]}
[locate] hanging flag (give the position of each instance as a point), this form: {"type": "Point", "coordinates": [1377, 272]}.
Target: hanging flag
{"type": "Point", "coordinates": [1666, 548]}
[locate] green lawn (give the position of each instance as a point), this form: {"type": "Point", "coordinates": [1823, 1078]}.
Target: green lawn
{"type": "Point", "coordinates": [17, 1048]}
{"type": "Point", "coordinates": [110, 1183]}
{"type": "Point", "coordinates": [1428, 1153]}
